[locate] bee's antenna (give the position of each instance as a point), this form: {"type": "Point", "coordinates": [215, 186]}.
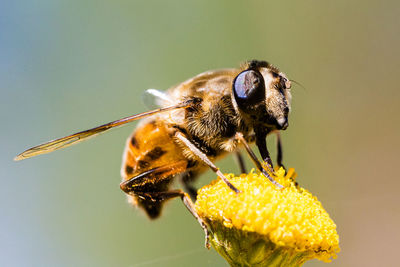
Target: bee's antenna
{"type": "Point", "coordinates": [296, 82]}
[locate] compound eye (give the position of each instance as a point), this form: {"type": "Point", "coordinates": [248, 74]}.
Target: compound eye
{"type": "Point", "coordinates": [249, 87]}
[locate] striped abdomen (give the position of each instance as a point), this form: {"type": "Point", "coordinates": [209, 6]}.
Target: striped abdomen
{"type": "Point", "coordinates": [151, 146]}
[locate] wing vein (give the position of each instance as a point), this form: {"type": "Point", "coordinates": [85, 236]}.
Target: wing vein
{"type": "Point", "coordinates": [75, 138]}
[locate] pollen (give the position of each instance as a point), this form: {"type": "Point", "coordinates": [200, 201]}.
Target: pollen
{"type": "Point", "coordinates": [290, 220]}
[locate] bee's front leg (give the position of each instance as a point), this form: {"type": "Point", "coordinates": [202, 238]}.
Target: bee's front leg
{"type": "Point", "coordinates": [279, 150]}
{"type": "Point", "coordinates": [261, 143]}
{"type": "Point", "coordinates": [253, 156]}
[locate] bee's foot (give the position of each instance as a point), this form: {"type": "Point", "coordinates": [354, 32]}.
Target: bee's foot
{"type": "Point", "coordinates": [283, 167]}
{"type": "Point", "coordinates": [270, 175]}
{"type": "Point", "coordinates": [207, 239]}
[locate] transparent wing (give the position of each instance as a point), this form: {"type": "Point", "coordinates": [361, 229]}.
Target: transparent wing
{"type": "Point", "coordinates": [84, 135]}
{"type": "Point", "coordinates": [154, 98]}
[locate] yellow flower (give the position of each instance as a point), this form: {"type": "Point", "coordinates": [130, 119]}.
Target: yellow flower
{"type": "Point", "coordinates": [264, 225]}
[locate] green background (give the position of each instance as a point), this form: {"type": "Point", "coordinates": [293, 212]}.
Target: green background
{"type": "Point", "coordinates": [71, 65]}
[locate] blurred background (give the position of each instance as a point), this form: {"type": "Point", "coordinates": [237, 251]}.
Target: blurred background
{"type": "Point", "coordinates": [67, 66]}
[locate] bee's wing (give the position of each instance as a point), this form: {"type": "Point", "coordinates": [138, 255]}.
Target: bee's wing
{"type": "Point", "coordinates": [84, 135]}
{"type": "Point", "coordinates": [154, 98]}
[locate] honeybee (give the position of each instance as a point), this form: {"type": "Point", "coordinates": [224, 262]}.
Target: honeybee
{"type": "Point", "coordinates": [198, 121]}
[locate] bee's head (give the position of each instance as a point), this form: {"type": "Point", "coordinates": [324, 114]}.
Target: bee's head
{"type": "Point", "coordinates": [262, 92]}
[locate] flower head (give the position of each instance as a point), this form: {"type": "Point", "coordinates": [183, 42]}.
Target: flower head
{"type": "Point", "coordinates": [264, 225]}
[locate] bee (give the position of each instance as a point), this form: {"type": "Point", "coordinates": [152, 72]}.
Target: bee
{"type": "Point", "coordinates": [198, 121]}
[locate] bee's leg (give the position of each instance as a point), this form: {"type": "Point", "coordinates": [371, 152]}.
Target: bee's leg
{"type": "Point", "coordinates": [189, 205]}
{"type": "Point", "coordinates": [241, 162]}
{"type": "Point", "coordinates": [203, 157]}
{"type": "Point", "coordinates": [187, 179]}
{"type": "Point", "coordinates": [279, 149]}
{"type": "Point", "coordinates": [255, 160]}
{"type": "Point", "coordinates": [261, 143]}
{"type": "Point", "coordinates": [165, 195]}
{"type": "Point", "coordinates": [155, 180]}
